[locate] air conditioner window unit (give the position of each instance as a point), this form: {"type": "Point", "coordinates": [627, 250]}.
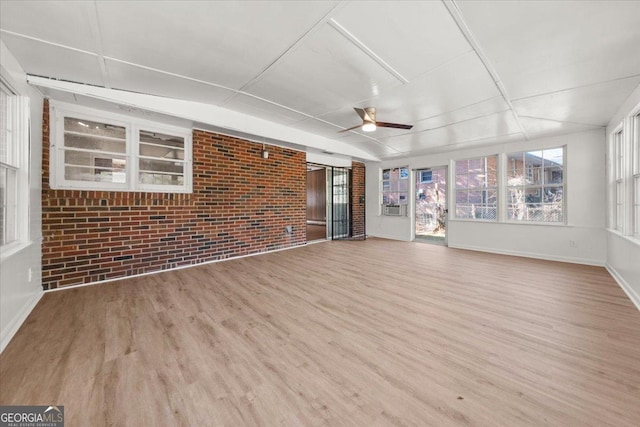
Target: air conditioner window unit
{"type": "Point", "coordinates": [394, 210]}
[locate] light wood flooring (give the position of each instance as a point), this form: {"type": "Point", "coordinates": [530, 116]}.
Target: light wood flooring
{"type": "Point", "coordinates": [363, 333]}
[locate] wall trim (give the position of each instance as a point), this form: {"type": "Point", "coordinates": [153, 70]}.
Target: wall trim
{"type": "Point", "coordinates": [181, 267]}
{"type": "Point", "coordinates": [388, 236]}
{"type": "Point", "coordinates": [12, 328]}
{"type": "Point", "coordinates": [631, 293]}
{"type": "Point", "coordinates": [572, 260]}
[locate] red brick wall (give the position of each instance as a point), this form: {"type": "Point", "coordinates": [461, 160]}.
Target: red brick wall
{"type": "Point", "coordinates": [357, 199]}
{"type": "Point", "coordinates": [240, 205]}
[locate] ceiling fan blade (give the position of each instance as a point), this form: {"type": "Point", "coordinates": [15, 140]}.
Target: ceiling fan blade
{"type": "Point", "coordinates": [361, 112]}
{"type": "Point", "coordinates": [351, 128]}
{"type": "Point", "coordinates": [393, 125]}
{"type": "Point", "coordinates": [366, 114]}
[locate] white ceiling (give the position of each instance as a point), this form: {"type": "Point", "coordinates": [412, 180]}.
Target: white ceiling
{"type": "Point", "coordinates": [463, 73]}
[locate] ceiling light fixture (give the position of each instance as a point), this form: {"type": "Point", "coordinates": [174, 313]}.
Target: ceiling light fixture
{"type": "Point", "coordinates": [369, 127]}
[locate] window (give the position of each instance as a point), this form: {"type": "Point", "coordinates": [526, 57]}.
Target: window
{"type": "Point", "coordinates": [103, 151]}
{"type": "Point", "coordinates": [636, 174]}
{"type": "Point", "coordinates": [618, 175]}
{"type": "Point", "coordinates": [395, 190]}
{"type": "Point", "coordinates": [476, 188]}
{"type": "Point", "coordinates": [535, 185]}
{"type": "Point", "coordinates": [14, 169]}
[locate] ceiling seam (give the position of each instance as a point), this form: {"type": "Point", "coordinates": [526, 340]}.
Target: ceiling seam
{"type": "Point", "coordinates": [295, 44]}
{"type": "Point", "coordinates": [577, 87]}
{"type": "Point", "coordinates": [48, 42]}
{"type": "Point", "coordinates": [446, 148]}
{"type": "Point", "coordinates": [462, 108]}
{"type": "Point", "coordinates": [563, 121]}
{"type": "Point", "coordinates": [97, 34]}
{"type": "Point", "coordinates": [365, 49]}
{"type": "Point", "coordinates": [444, 126]}
{"type": "Point", "coordinates": [456, 14]}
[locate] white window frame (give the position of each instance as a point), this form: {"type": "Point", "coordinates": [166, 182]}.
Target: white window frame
{"type": "Point", "coordinates": [403, 207]}
{"type": "Point", "coordinates": [19, 218]}
{"type": "Point", "coordinates": [454, 199]}
{"type": "Point", "coordinates": [133, 126]}
{"type": "Point", "coordinates": [635, 177]}
{"type": "Point", "coordinates": [618, 168]}
{"type": "Point", "coordinates": [541, 185]}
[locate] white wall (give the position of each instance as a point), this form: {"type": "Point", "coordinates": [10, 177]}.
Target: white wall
{"type": "Point", "coordinates": [586, 188]}
{"type": "Point", "coordinates": [18, 295]}
{"type": "Point", "coordinates": [623, 252]}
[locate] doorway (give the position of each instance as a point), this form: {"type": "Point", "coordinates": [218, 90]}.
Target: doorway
{"type": "Point", "coordinates": [316, 202]}
{"type": "Point", "coordinates": [431, 205]}
{"type": "Point", "coordinates": [328, 202]}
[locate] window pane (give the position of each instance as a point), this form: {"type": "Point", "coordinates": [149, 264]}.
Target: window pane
{"type": "Point", "coordinates": [3, 203]}
{"type": "Point", "coordinates": [462, 181]}
{"type": "Point", "coordinates": [475, 165]}
{"type": "Point", "coordinates": [148, 165]}
{"type": "Point", "coordinates": [160, 179]}
{"type": "Point", "coordinates": [403, 185]}
{"type": "Point", "coordinates": [619, 205]}
{"type": "Point", "coordinates": [463, 211]}
{"type": "Point", "coordinates": [87, 127]}
{"type": "Point", "coordinates": [636, 144]}
{"type": "Point", "coordinates": [94, 167]}
{"type": "Point", "coordinates": [5, 125]}
{"type": "Point", "coordinates": [636, 195]}
{"type": "Point", "coordinates": [87, 142]}
{"type": "Point", "coordinates": [99, 164]}
{"type": "Point", "coordinates": [390, 198]}
{"type": "Point", "coordinates": [153, 144]}
{"type": "Point", "coordinates": [516, 206]}
{"type": "Point", "coordinates": [462, 197]}
{"type": "Point", "coordinates": [167, 167]}
{"type": "Point", "coordinates": [462, 167]}
{"type": "Point", "coordinates": [475, 197]}
{"type": "Point", "coordinates": [9, 200]}
{"type": "Point", "coordinates": [534, 212]}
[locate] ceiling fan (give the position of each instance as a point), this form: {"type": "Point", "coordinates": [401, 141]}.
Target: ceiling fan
{"type": "Point", "coordinates": [369, 123]}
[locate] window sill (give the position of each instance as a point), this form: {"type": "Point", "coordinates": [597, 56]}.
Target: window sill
{"type": "Point", "coordinates": [490, 221]}
{"type": "Point", "coordinates": [13, 248]}
{"type": "Point", "coordinates": [630, 239]}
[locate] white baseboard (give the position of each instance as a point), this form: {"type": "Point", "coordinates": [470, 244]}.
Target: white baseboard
{"type": "Point", "coordinates": [182, 267]}
{"type": "Point", "coordinates": [10, 330]}
{"type": "Point", "coordinates": [631, 293]}
{"type": "Point", "coordinates": [573, 260]}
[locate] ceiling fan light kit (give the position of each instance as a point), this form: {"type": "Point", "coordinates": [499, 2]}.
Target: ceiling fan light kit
{"type": "Point", "coordinates": [369, 123]}
{"type": "Point", "coordinates": [369, 127]}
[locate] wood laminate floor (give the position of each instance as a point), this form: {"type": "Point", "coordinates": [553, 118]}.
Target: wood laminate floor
{"type": "Point", "coordinates": [366, 333]}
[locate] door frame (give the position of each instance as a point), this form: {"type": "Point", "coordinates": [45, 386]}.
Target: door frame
{"type": "Point", "coordinates": [329, 202]}
{"type": "Point", "coordinates": [413, 206]}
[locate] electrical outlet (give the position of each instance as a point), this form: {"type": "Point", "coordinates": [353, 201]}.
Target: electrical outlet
{"type": "Point", "coordinates": [30, 274]}
{"type": "Point", "coordinates": [573, 244]}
